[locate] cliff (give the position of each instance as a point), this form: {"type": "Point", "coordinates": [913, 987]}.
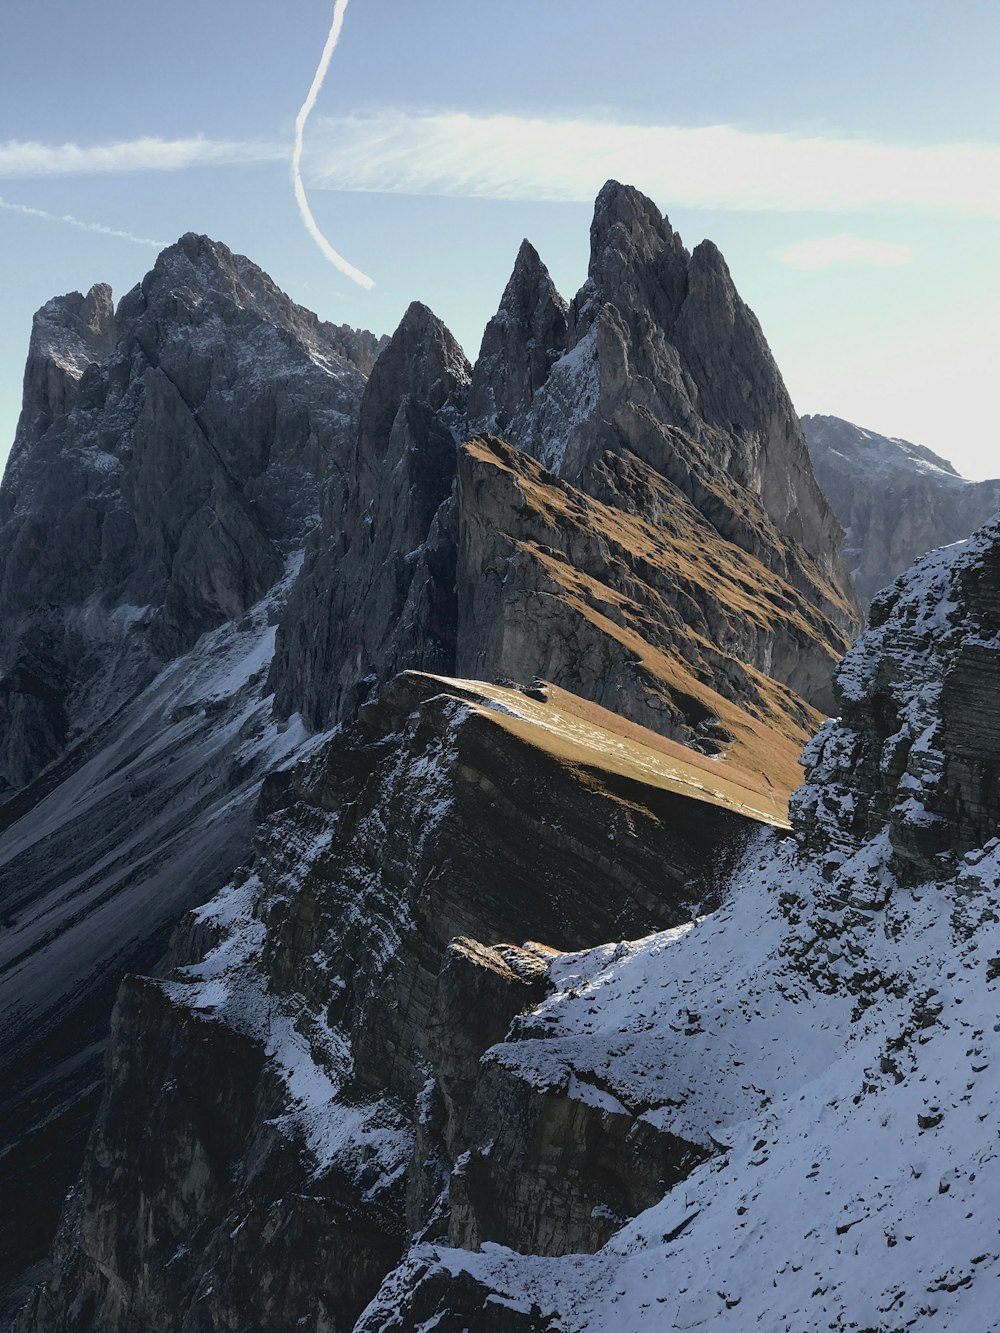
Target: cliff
{"type": "Point", "coordinates": [896, 500]}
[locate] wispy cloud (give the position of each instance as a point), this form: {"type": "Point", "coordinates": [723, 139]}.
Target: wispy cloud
{"type": "Point", "coordinates": [19, 159]}
{"type": "Point", "coordinates": [827, 251]}
{"type": "Point", "coordinates": [717, 166]}
{"type": "Point", "coordinates": [70, 221]}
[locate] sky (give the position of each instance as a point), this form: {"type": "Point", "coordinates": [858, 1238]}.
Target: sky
{"type": "Point", "coordinates": [845, 158]}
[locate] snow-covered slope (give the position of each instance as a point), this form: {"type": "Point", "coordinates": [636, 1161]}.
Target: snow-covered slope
{"type": "Point", "coordinates": [828, 1038]}
{"type": "Point", "coordinates": [842, 1067]}
{"type": "Point", "coordinates": [147, 819]}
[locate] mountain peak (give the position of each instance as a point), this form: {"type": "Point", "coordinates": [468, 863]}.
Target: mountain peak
{"type": "Point", "coordinates": [520, 343]}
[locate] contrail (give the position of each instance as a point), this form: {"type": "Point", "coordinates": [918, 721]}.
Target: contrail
{"type": "Point", "coordinates": [71, 221]}
{"type": "Point", "coordinates": [312, 226]}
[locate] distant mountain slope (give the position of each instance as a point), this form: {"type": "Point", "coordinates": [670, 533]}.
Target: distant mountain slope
{"type": "Point", "coordinates": [895, 499]}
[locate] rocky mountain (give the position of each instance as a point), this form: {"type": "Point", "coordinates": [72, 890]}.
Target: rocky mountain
{"type": "Point", "coordinates": [168, 459]}
{"type": "Point", "coordinates": [896, 500]}
{"type": "Point", "coordinates": [644, 505]}
{"type": "Point", "coordinates": [168, 462]}
{"type": "Point", "coordinates": [362, 1099]}
{"type": "Point", "coordinates": [519, 651]}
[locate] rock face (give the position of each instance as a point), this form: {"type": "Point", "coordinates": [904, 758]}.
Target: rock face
{"type": "Point", "coordinates": [641, 525]}
{"type": "Point", "coordinates": [377, 590]}
{"type": "Point", "coordinates": [168, 461]}
{"type": "Point", "coordinates": [340, 996]}
{"type": "Point", "coordinates": [524, 1136]}
{"type": "Point", "coordinates": [647, 538]}
{"type": "Point", "coordinates": [896, 500]}
{"type": "Point", "coordinates": [821, 1048]}
{"type": "Point", "coordinates": [915, 748]}
{"type": "Point", "coordinates": [634, 601]}
{"type": "Point", "coordinates": [662, 359]}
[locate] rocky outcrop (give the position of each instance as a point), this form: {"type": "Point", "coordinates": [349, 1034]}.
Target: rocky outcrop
{"type": "Point", "coordinates": [377, 590]}
{"type": "Point", "coordinates": [520, 344]}
{"type": "Point", "coordinates": [634, 601]}
{"type": "Point", "coordinates": [653, 400]}
{"type": "Point", "coordinates": [662, 359]}
{"type": "Point", "coordinates": [341, 995]}
{"type": "Point", "coordinates": [169, 458]}
{"type": "Point", "coordinates": [821, 1049]}
{"type": "Point", "coordinates": [896, 500]}
{"type": "Point", "coordinates": [915, 747]}
{"type": "Point", "coordinates": [184, 446]}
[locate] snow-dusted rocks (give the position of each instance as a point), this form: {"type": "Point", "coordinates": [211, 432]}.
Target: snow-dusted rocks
{"type": "Point", "coordinates": [169, 460]}
{"type": "Point", "coordinates": [915, 748]}
{"type": "Point", "coordinates": [339, 994]}
{"type": "Point", "coordinates": [896, 500]}
{"type": "Point", "coordinates": [169, 457]}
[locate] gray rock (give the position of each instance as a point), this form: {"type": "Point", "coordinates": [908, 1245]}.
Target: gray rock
{"type": "Point", "coordinates": [377, 589]}
{"type": "Point", "coordinates": [661, 349]}
{"type": "Point", "coordinates": [914, 748]}
{"type": "Point", "coordinates": [896, 500]}
{"type": "Point", "coordinates": [169, 459]}
{"type": "Point", "coordinates": [334, 986]}
{"type": "Point", "coordinates": [168, 463]}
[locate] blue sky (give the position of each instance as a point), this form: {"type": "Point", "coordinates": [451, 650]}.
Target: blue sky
{"type": "Point", "coordinates": [846, 158]}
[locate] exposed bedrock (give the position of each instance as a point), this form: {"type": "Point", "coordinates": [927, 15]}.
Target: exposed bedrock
{"type": "Point", "coordinates": [662, 358]}
{"type": "Point", "coordinates": [376, 592]}
{"type": "Point", "coordinates": [895, 499]}
{"type": "Point", "coordinates": [916, 743]}
{"type": "Point", "coordinates": [169, 457]}
{"type": "Point", "coordinates": [307, 1089]}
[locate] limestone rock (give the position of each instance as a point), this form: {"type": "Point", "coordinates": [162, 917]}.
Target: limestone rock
{"type": "Point", "coordinates": [351, 981]}
{"type": "Point", "coordinates": [896, 500]}
{"type": "Point", "coordinates": [660, 348]}
{"type": "Point", "coordinates": [636, 602]}
{"type": "Point", "coordinates": [168, 461]}
{"type": "Point", "coordinates": [915, 742]}
{"type": "Point", "coordinates": [376, 593]}
{"type": "Point", "coordinates": [520, 344]}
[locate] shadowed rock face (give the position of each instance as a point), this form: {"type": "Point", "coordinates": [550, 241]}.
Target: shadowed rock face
{"type": "Point", "coordinates": [181, 448]}
{"type": "Point", "coordinates": [168, 459]}
{"type": "Point", "coordinates": [294, 1101]}
{"type": "Point", "coordinates": [376, 594]}
{"type": "Point", "coordinates": [896, 500]}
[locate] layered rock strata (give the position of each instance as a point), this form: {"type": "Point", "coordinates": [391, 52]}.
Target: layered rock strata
{"type": "Point", "coordinates": [661, 358]}
{"type": "Point", "coordinates": [653, 400]}
{"type": "Point", "coordinates": [915, 748]}
{"type": "Point", "coordinates": [340, 995]}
